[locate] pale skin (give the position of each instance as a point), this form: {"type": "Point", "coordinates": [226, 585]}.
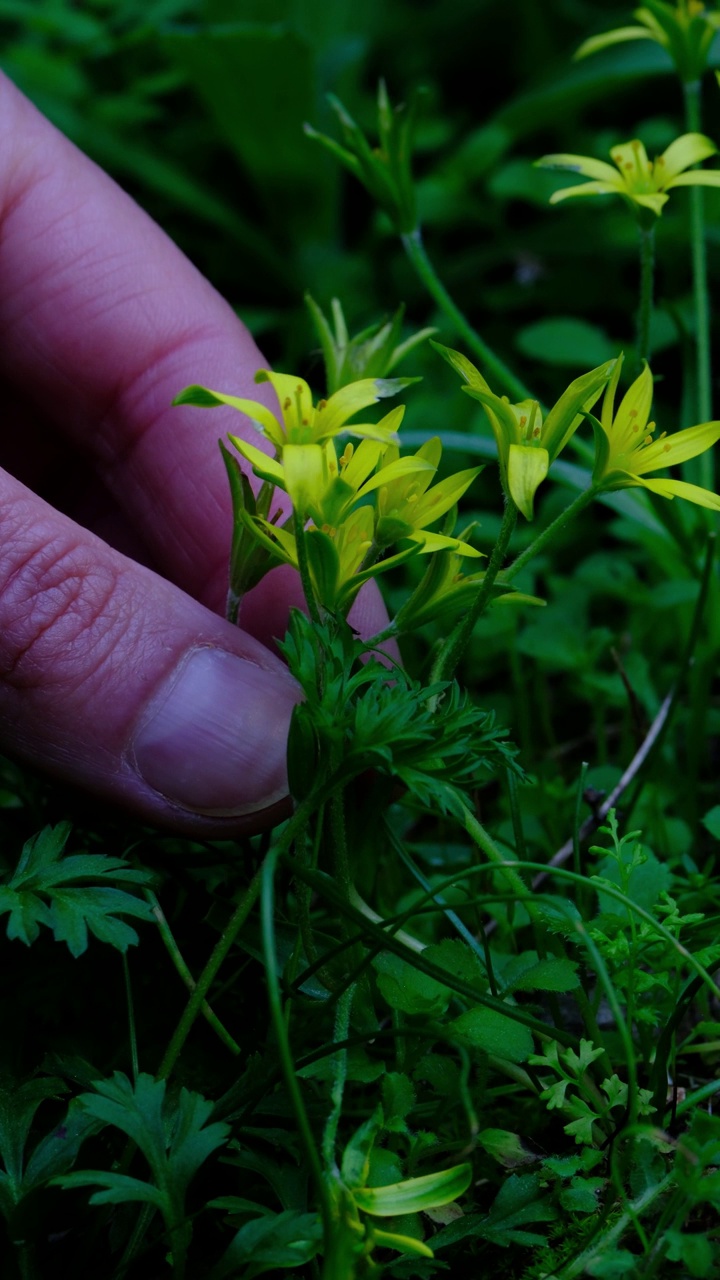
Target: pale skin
{"type": "Point", "coordinates": [114, 513]}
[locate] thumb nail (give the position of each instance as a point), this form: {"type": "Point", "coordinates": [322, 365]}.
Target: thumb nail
{"type": "Point", "coordinates": [214, 738]}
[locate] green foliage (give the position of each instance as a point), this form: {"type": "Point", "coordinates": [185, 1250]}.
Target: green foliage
{"type": "Point", "coordinates": [71, 894]}
{"type": "Point", "coordinates": [493, 1036]}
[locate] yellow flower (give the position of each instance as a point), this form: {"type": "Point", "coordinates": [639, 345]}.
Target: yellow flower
{"type": "Point", "coordinates": [626, 447]}
{"type": "Point", "coordinates": [527, 444]}
{"type": "Point", "coordinates": [643, 183]}
{"type": "Point", "coordinates": [685, 30]}
{"type": "Point", "coordinates": [302, 421]}
{"type": "Point", "coordinates": [405, 504]}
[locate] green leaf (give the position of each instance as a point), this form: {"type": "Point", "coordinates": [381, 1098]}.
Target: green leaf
{"type": "Point", "coordinates": [506, 1147]}
{"type": "Point", "coordinates": [275, 1241]}
{"type": "Point", "coordinates": [550, 974]}
{"type": "Point", "coordinates": [49, 888]}
{"type": "Point", "coordinates": [566, 342]}
{"type": "Point", "coordinates": [711, 821]}
{"type": "Point", "coordinates": [408, 989]}
{"type": "Point", "coordinates": [494, 1033]}
{"type": "Point", "coordinates": [519, 1201]}
{"type": "Point", "coordinates": [398, 1097]}
{"type": "Point", "coordinates": [173, 1135]}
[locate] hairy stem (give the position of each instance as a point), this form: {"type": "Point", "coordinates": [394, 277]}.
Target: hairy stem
{"type": "Point", "coordinates": [548, 535]}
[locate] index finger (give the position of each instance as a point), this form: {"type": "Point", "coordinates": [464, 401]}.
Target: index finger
{"type": "Point", "coordinates": [102, 321]}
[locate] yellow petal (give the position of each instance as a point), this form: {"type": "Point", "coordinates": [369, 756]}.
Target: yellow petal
{"type": "Point", "coordinates": [697, 178]}
{"type": "Point", "coordinates": [262, 418]}
{"type": "Point", "coordinates": [306, 475]}
{"type": "Point", "coordinates": [684, 152]}
{"type": "Point", "coordinates": [679, 489]}
{"type": "Point", "coordinates": [527, 468]}
{"type": "Point", "coordinates": [630, 424]}
{"type": "Point", "coordinates": [632, 161]}
{"type": "Point", "coordinates": [431, 542]}
{"type": "Point", "coordinates": [294, 396]}
{"type": "Point", "coordinates": [677, 448]}
{"type": "Point", "coordinates": [595, 44]}
{"type": "Point", "coordinates": [335, 412]}
{"type": "Point", "coordinates": [589, 189]}
{"type": "Point", "coordinates": [263, 466]}
{"type": "Point", "coordinates": [586, 165]}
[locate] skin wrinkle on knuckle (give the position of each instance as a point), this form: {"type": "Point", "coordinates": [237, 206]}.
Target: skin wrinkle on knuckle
{"type": "Point", "coordinates": [59, 622]}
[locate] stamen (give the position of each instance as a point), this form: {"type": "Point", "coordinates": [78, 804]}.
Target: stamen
{"type": "Point", "coordinates": [347, 453]}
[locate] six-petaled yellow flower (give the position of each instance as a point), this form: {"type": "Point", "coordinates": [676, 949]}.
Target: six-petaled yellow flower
{"type": "Point", "coordinates": [527, 443]}
{"type": "Point", "coordinates": [303, 422]}
{"type": "Point", "coordinates": [643, 183]}
{"type": "Point", "coordinates": [627, 449]}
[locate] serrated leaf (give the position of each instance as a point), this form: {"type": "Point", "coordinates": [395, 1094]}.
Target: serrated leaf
{"type": "Point", "coordinates": [271, 1242]}
{"type": "Point", "coordinates": [41, 892]}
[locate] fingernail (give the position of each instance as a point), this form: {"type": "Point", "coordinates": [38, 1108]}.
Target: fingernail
{"type": "Point", "coordinates": [214, 739]}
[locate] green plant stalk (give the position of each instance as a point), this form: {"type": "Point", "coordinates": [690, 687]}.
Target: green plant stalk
{"type": "Point", "coordinates": [487, 846]}
{"type": "Point", "coordinates": [132, 1033]}
{"type": "Point", "coordinates": [455, 644]}
{"type": "Point", "coordinates": [177, 958]}
{"type": "Point", "coordinates": [548, 535]}
{"type": "Point", "coordinates": [647, 275]}
{"type": "Point", "coordinates": [304, 567]}
{"type": "Point", "coordinates": [700, 290]}
{"type": "Point", "coordinates": [224, 944]}
{"type": "Point", "coordinates": [342, 1031]}
{"type": "Point", "coordinates": [494, 366]}
{"type": "Point", "coordinates": [266, 876]}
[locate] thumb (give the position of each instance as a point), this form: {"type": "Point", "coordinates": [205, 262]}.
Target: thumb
{"type": "Point", "coordinates": [116, 680]}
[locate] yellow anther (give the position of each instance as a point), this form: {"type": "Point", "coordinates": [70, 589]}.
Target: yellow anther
{"type": "Point", "coordinates": [347, 454]}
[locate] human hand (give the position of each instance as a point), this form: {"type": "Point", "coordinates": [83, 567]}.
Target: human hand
{"type": "Point", "coordinates": [117, 671]}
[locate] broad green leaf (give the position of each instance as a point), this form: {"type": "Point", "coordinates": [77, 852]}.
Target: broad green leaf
{"type": "Point", "coordinates": [566, 343]}
{"type": "Point", "coordinates": [549, 974]}
{"type": "Point", "coordinates": [494, 1033]}
{"type": "Point", "coordinates": [408, 989]}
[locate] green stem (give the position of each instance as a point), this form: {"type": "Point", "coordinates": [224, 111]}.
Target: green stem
{"type": "Point", "coordinates": [225, 942]}
{"type": "Point", "coordinates": [286, 1060]}
{"type": "Point", "coordinates": [487, 846]}
{"type": "Point", "coordinates": [548, 535]}
{"type": "Point", "coordinates": [647, 275]}
{"type": "Point", "coordinates": [304, 567]}
{"type": "Point", "coordinates": [494, 366]}
{"type": "Point", "coordinates": [700, 288]}
{"type": "Point", "coordinates": [131, 1019]}
{"type": "Point", "coordinates": [455, 644]}
{"type": "Point", "coordinates": [179, 962]}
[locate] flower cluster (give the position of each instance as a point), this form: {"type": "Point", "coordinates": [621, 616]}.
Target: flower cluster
{"type": "Point", "coordinates": [348, 509]}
